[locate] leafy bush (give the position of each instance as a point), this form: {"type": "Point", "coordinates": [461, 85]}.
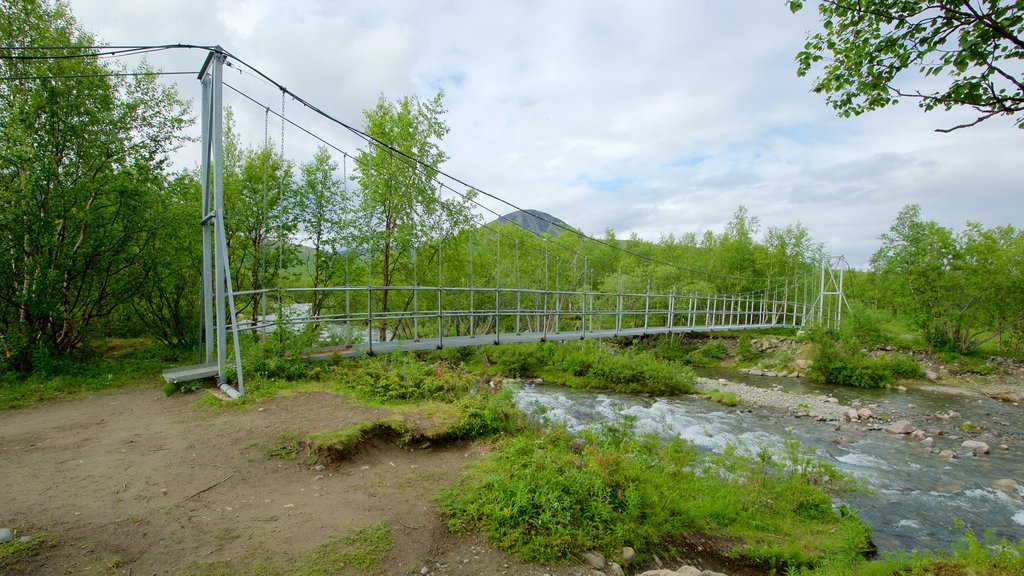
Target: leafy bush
{"type": "Point", "coordinates": [902, 366]}
{"type": "Point", "coordinates": [596, 366]}
{"type": "Point", "coordinates": [709, 354]}
{"type": "Point", "coordinates": [745, 348]}
{"type": "Point", "coordinates": [520, 360]}
{"type": "Point", "coordinates": [846, 365]}
{"type": "Point", "coordinates": [592, 365]}
{"type": "Point", "coordinates": [402, 378]}
{"type": "Point", "coordinates": [548, 498]}
{"type": "Point", "coordinates": [723, 398]}
{"type": "Point", "coordinates": [486, 414]}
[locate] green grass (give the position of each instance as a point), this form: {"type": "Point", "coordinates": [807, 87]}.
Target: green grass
{"type": "Point", "coordinates": [972, 556]}
{"type": "Point", "coordinates": [114, 363]}
{"type": "Point", "coordinates": [13, 552]}
{"type": "Point", "coordinates": [843, 363]}
{"type": "Point", "coordinates": [723, 398]}
{"type": "Point", "coordinates": [548, 498]}
{"type": "Point", "coordinates": [591, 365]}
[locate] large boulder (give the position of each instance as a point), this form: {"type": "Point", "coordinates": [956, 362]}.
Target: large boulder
{"type": "Point", "coordinates": [975, 447]}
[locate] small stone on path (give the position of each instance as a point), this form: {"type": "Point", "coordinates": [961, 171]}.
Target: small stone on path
{"type": "Point", "coordinates": [628, 554]}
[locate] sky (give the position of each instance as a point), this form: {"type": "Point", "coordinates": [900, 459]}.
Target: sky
{"type": "Point", "coordinates": [652, 117]}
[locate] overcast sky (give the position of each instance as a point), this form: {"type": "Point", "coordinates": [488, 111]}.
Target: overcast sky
{"type": "Point", "coordinates": [654, 117]}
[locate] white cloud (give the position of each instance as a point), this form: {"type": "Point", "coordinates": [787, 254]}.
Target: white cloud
{"type": "Point", "coordinates": [653, 117]}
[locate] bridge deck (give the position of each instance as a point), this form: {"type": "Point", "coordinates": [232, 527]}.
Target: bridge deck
{"type": "Point", "coordinates": [510, 338]}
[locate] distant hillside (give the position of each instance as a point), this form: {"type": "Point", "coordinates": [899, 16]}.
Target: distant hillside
{"type": "Point", "coordinates": [534, 220]}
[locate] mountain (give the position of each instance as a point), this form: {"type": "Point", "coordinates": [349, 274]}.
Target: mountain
{"type": "Point", "coordinates": [534, 220]}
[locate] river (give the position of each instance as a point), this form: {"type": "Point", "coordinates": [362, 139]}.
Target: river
{"type": "Point", "coordinates": [915, 496]}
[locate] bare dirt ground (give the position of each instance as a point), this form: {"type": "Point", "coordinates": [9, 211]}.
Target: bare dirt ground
{"type": "Point", "coordinates": [133, 482]}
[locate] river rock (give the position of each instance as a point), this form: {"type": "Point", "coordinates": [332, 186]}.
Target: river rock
{"type": "Point", "coordinates": [6, 535]}
{"type": "Point", "coordinates": [949, 454]}
{"type": "Point", "coordinates": [616, 570]}
{"type": "Point", "coordinates": [900, 427]}
{"type": "Point", "coordinates": [628, 554]}
{"type": "Point", "coordinates": [660, 572]}
{"type": "Point", "coordinates": [976, 447]}
{"type": "Point", "coordinates": [594, 559]}
{"type": "Point", "coordinates": [864, 414]}
{"type": "Point", "coordinates": [928, 441]}
{"type": "Point", "coordinates": [852, 415]}
{"type": "Point", "coordinates": [919, 434]}
{"type": "Point", "coordinates": [931, 375]}
{"type": "Point", "coordinates": [711, 573]}
{"type": "Point", "coordinates": [1006, 485]}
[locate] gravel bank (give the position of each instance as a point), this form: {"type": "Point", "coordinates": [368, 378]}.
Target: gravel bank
{"type": "Point", "coordinates": [817, 407]}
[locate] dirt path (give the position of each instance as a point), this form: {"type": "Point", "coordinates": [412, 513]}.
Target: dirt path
{"type": "Point", "coordinates": [134, 482]}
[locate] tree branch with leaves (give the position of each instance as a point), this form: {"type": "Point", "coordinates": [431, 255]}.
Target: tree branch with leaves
{"type": "Point", "coordinates": [943, 54]}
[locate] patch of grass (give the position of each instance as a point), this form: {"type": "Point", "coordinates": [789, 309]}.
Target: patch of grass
{"type": "Point", "coordinates": [902, 366]}
{"type": "Point", "coordinates": [987, 556]}
{"type": "Point", "coordinates": [845, 364]}
{"type": "Point", "coordinates": [968, 364]}
{"type": "Point", "coordinates": [286, 448]}
{"type": "Point", "coordinates": [13, 552]}
{"type": "Point", "coordinates": [592, 365]}
{"type": "Point", "coordinates": [745, 349]}
{"type": "Point", "coordinates": [549, 497]}
{"type": "Point", "coordinates": [710, 354]}
{"type": "Point", "coordinates": [363, 548]}
{"type": "Point", "coordinates": [113, 363]}
{"type": "Point", "coordinates": [723, 398]}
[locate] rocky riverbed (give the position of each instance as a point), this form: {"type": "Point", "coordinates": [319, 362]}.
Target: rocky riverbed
{"type": "Point", "coordinates": [947, 432]}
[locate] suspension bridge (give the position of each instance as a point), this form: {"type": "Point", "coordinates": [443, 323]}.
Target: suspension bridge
{"type": "Point", "coordinates": [558, 300]}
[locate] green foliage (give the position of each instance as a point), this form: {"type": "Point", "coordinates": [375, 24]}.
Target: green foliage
{"type": "Point", "coordinates": [592, 365]}
{"type": "Point", "coordinates": [397, 378]}
{"type": "Point", "coordinates": [399, 206]}
{"type": "Point", "coordinates": [710, 354]}
{"type": "Point", "coordinates": [870, 50]}
{"type": "Point", "coordinates": [550, 497]}
{"type": "Point", "coordinates": [486, 413]}
{"type": "Point", "coordinates": [745, 349]}
{"type": "Point", "coordinates": [16, 550]}
{"type": "Point", "coordinates": [846, 364]}
{"type": "Point", "coordinates": [972, 556]}
{"type": "Point", "coordinates": [82, 189]}
{"type": "Point", "coordinates": [112, 363]}
{"type": "Point", "coordinates": [902, 366]}
{"type": "Point", "coordinates": [521, 361]}
{"type": "Point", "coordinates": [723, 398]}
{"type": "Point", "coordinates": [960, 291]}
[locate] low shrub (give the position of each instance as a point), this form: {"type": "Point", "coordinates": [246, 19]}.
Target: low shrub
{"type": "Point", "coordinates": [723, 398]}
{"type": "Point", "coordinates": [902, 366]}
{"type": "Point", "coordinates": [401, 377]}
{"type": "Point", "coordinates": [591, 365]}
{"type": "Point", "coordinates": [847, 365]}
{"type": "Point", "coordinates": [710, 354]}
{"type": "Point", "coordinates": [550, 497]}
